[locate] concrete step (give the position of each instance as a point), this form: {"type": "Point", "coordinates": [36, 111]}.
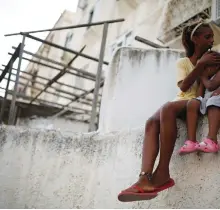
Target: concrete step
{"type": "Point", "coordinates": [50, 169]}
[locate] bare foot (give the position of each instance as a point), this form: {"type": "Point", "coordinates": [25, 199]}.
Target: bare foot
{"type": "Point", "coordinates": [142, 183]}
{"type": "Point", "coordinates": [160, 177]}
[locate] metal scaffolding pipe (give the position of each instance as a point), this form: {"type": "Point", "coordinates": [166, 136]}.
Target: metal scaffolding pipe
{"type": "Point", "coordinates": [80, 96]}
{"type": "Point", "coordinates": [57, 89]}
{"type": "Point", "coordinates": [6, 93]}
{"type": "Point", "coordinates": [47, 91]}
{"type": "Point", "coordinates": [58, 75]}
{"type": "Point", "coordinates": [73, 111]}
{"type": "Point", "coordinates": [63, 48]}
{"type": "Point", "coordinates": [38, 82]}
{"type": "Point", "coordinates": [20, 95]}
{"type": "Point", "coordinates": [70, 27]}
{"type": "Point", "coordinates": [53, 67]}
{"type": "Point", "coordinates": [14, 56]}
{"type": "Point", "coordinates": [99, 81]}
{"type": "Point", "coordinates": [36, 88]}
{"type": "Point", "coordinates": [73, 107]}
{"type": "Point", "coordinates": [60, 83]}
{"type": "Point", "coordinates": [58, 63]}
{"type": "Point", "coordinates": [98, 78]}
{"type": "Point", "coordinates": [12, 107]}
{"type": "Point", "coordinates": [150, 43]}
{"type": "Point", "coordinates": [63, 91]}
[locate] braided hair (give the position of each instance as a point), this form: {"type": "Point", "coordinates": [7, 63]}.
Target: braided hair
{"type": "Point", "coordinates": [186, 38]}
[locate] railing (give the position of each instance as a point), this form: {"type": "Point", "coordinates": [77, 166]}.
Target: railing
{"type": "Point", "coordinates": [66, 69]}
{"type": "Point", "coordinates": [149, 43]}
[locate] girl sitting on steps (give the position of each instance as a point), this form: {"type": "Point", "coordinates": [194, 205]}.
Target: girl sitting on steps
{"type": "Point", "coordinates": [160, 129]}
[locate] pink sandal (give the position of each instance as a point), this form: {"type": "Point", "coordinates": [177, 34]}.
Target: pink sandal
{"type": "Point", "coordinates": [208, 146]}
{"type": "Point", "coordinates": [188, 147]}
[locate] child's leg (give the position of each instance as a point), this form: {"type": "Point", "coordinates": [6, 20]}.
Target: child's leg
{"type": "Point", "coordinates": [210, 144]}
{"type": "Point", "coordinates": [193, 108]}
{"type": "Point", "coordinates": [214, 122]}
{"type": "Point", "coordinates": [191, 145]}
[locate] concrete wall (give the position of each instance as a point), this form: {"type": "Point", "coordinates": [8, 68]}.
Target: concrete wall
{"type": "Point", "coordinates": [60, 124]}
{"type": "Point", "coordinates": [52, 169]}
{"type": "Point", "coordinates": [137, 84]}
{"type": "Point", "coordinates": [49, 169]}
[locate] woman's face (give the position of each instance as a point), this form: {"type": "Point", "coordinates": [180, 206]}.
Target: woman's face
{"type": "Point", "coordinates": [205, 38]}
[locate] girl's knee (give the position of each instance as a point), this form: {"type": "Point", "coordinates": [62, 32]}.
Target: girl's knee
{"type": "Point", "coordinates": [173, 108]}
{"type": "Point", "coordinates": [153, 121]}
{"type": "Point", "coordinates": [168, 111]}
{"type": "Point", "coordinates": [193, 105]}
{"type": "Point", "coordinates": [167, 108]}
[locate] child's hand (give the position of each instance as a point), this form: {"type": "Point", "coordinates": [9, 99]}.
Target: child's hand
{"type": "Point", "coordinates": [216, 92]}
{"type": "Point", "coordinates": [210, 71]}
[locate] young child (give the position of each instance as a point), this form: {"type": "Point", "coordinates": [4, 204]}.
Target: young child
{"type": "Point", "coordinates": [200, 105]}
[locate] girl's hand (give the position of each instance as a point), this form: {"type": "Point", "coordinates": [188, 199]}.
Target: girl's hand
{"type": "Point", "coordinates": [209, 59]}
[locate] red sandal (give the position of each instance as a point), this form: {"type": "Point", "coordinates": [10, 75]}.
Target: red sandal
{"type": "Point", "coordinates": [128, 196]}
{"type": "Point", "coordinates": [168, 184]}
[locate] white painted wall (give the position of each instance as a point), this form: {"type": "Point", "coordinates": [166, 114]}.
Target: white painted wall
{"type": "Point", "coordinates": [59, 124]}
{"type": "Point", "coordinates": [54, 170]}
{"type": "Point", "coordinates": [137, 84]}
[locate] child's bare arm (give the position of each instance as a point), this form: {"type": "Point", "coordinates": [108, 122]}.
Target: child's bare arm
{"type": "Point", "coordinates": [201, 89]}
{"type": "Point", "coordinates": [211, 84]}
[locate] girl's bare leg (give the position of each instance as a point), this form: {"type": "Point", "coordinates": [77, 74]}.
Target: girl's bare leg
{"type": "Point", "coordinates": [168, 134]}
{"type": "Point", "coordinates": [163, 122]}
